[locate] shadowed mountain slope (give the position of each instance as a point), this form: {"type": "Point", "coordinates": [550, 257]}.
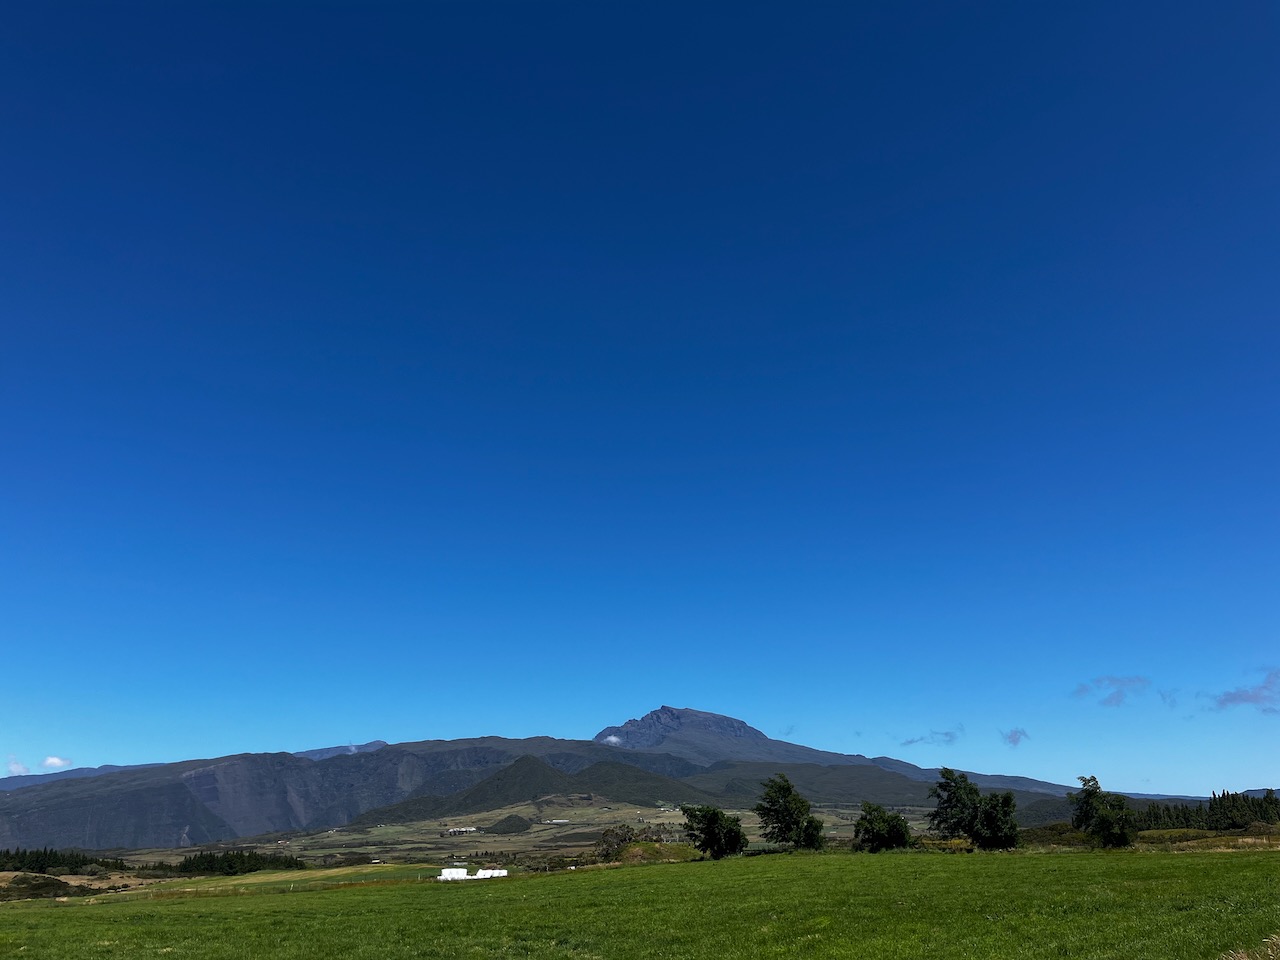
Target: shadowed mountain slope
{"type": "Point", "coordinates": [530, 779]}
{"type": "Point", "coordinates": [200, 801]}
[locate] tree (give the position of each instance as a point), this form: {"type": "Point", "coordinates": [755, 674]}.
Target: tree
{"type": "Point", "coordinates": [1104, 816]}
{"type": "Point", "coordinates": [988, 822]}
{"type": "Point", "coordinates": [994, 827]}
{"type": "Point", "coordinates": [614, 840]}
{"type": "Point", "coordinates": [957, 805]}
{"type": "Point", "coordinates": [784, 814]}
{"type": "Point", "coordinates": [713, 832]}
{"type": "Point", "coordinates": [878, 829]}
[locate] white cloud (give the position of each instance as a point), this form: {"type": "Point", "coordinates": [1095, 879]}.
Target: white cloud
{"type": "Point", "coordinates": [613, 740]}
{"type": "Point", "coordinates": [55, 763]}
{"type": "Point", "coordinates": [17, 769]}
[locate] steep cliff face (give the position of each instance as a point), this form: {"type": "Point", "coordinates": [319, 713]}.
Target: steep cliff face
{"type": "Point", "coordinates": [130, 813]}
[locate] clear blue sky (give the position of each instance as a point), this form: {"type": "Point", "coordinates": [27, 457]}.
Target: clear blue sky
{"type": "Point", "coordinates": [903, 379]}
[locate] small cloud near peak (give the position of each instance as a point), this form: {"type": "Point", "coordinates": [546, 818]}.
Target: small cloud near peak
{"type": "Point", "coordinates": [15, 768]}
{"type": "Point", "coordinates": [613, 740]}
{"type": "Point", "coordinates": [55, 763]}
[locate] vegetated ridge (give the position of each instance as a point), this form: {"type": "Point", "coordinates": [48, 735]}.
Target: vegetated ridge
{"type": "Point", "coordinates": [530, 779]}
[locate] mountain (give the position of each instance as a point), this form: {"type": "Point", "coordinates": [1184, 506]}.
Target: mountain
{"type": "Point", "coordinates": [201, 801]}
{"type": "Point", "coordinates": [671, 754]}
{"type": "Point", "coordinates": [707, 738]}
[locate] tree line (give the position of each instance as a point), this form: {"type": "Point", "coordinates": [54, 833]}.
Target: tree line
{"type": "Point", "coordinates": [786, 820]}
{"type": "Point", "coordinates": [47, 860]}
{"type": "Point", "coordinates": [231, 862]}
{"type": "Point", "coordinates": [1224, 811]}
{"type": "Point", "coordinates": [962, 812]}
{"type": "Point", "coordinates": [227, 863]}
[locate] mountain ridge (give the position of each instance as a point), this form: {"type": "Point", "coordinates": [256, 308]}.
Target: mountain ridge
{"type": "Point", "coordinates": [193, 802]}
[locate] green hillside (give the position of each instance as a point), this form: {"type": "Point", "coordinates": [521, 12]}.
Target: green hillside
{"type": "Point", "coordinates": [531, 779]}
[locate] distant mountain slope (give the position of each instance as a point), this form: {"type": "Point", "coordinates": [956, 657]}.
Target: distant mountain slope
{"type": "Point", "coordinates": [530, 779]}
{"type": "Point", "coordinates": [199, 801]}
{"type": "Point", "coordinates": [738, 783]}
{"type": "Point", "coordinates": [109, 811]}
{"type": "Point", "coordinates": [992, 781]}
{"type": "Point", "coordinates": [324, 753]}
{"type": "Point", "coordinates": [18, 781]}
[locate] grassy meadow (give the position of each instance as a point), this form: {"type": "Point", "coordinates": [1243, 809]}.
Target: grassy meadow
{"type": "Point", "coordinates": [1082, 905]}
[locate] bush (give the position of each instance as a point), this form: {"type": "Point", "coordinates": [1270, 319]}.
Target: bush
{"type": "Point", "coordinates": [878, 829]}
{"type": "Point", "coordinates": [713, 832]}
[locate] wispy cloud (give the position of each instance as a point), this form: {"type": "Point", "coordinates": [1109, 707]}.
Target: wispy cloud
{"type": "Point", "coordinates": [613, 740]}
{"type": "Point", "coordinates": [1015, 736]}
{"type": "Point", "coordinates": [1169, 698]}
{"type": "Point", "coordinates": [941, 738]}
{"type": "Point", "coordinates": [1265, 695]}
{"type": "Point", "coordinates": [1114, 691]}
{"type": "Point", "coordinates": [55, 763]}
{"type": "Point", "coordinates": [17, 769]}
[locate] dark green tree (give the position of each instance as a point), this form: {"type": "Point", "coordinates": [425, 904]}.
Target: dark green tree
{"type": "Point", "coordinates": [994, 827]}
{"type": "Point", "coordinates": [957, 807]}
{"type": "Point", "coordinates": [715, 833]}
{"type": "Point", "coordinates": [878, 829]}
{"type": "Point", "coordinates": [1104, 816]}
{"type": "Point", "coordinates": [784, 815]}
{"type": "Point", "coordinates": [988, 822]}
{"type": "Point", "coordinates": [614, 840]}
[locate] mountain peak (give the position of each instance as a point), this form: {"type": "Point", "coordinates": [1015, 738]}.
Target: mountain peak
{"type": "Point", "coordinates": [707, 738]}
{"type": "Point", "coordinates": [656, 726]}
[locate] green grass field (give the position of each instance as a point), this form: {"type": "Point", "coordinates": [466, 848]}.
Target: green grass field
{"type": "Point", "coordinates": [1083, 905]}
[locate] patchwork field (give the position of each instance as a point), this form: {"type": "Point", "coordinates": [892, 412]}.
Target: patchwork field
{"type": "Point", "coordinates": [1083, 905]}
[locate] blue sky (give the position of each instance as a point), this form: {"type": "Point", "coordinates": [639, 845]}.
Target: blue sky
{"type": "Point", "coordinates": [901, 379]}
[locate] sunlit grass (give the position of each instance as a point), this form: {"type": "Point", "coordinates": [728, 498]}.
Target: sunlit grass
{"type": "Point", "coordinates": [1086, 905]}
